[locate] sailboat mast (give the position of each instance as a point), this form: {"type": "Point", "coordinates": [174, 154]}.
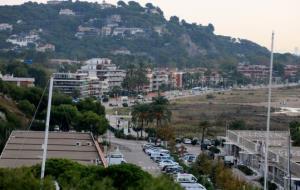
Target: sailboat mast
{"type": "Point", "coordinates": [47, 129]}
{"type": "Point", "coordinates": [268, 116]}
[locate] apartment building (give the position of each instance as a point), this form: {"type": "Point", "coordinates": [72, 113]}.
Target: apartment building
{"type": "Point", "coordinates": [256, 72]}
{"type": "Point", "coordinates": [19, 81]}
{"type": "Point", "coordinates": [248, 147]}
{"type": "Point", "coordinates": [73, 84]}
{"type": "Point", "coordinates": [104, 70]}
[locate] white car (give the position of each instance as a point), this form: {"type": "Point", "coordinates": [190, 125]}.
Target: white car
{"type": "Point", "coordinates": [164, 163]}
{"type": "Point", "coordinates": [115, 158]}
{"type": "Point", "coordinates": [185, 178]}
{"type": "Point", "coordinates": [187, 141]}
{"type": "Point", "coordinates": [192, 186]}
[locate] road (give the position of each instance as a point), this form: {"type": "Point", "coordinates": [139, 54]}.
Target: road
{"type": "Point", "coordinates": [133, 153]}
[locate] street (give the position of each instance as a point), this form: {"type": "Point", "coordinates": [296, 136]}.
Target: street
{"type": "Point", "coordinates": [133, 153]}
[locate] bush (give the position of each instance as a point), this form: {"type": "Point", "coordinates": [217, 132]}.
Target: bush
{"type": "Point", "coordinates": [210, 96]}
{"type": "Point", "coordinates": [245, 170]}
{"type": "Point", "coordinates": [214, 150]}
{"type": "Point", "coordinates": [26, 107]}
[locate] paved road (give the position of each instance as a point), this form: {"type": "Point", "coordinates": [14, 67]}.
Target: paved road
{"type": "Point", "coordinates": [134, 154]}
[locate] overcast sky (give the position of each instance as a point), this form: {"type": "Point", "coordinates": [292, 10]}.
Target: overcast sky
{"type": "Point", "coordinates": [250, 19]}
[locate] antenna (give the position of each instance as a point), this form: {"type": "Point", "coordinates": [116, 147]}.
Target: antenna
{"type": "Point", "coordinates": [268, 117]}
{"type": "Point", "coordinates": [47, 130]}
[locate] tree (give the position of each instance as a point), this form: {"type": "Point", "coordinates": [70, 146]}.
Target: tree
{"type": "Point", "coordinates": [65, 116]}
{"type": "Point", "coordinates": [90, 121]}
{"type": "Point", "coordinates": [237, 125]}
{"type": "Point", "coordinates": [26, 107]}
{"type": "Point", "coordinates": [141, 114]}
{"type": "Point", "coordinates": [90, 104]}
{"type": "Point", "coordinates": [136, 77]}
{"type": "Point", "coordinates": [160, 110]}
{"type": "Point", "coordinates": [204, 125]}
{"type": "Point", "coordinates": [121, 4]}
{"type": "Point", "coordinates": [295, 132]}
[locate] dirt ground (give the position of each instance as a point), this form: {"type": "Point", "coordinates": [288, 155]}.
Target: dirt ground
{"type": "Point", "coordinates": [247, 105]}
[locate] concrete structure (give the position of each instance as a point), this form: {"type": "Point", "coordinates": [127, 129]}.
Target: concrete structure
{"type": "Point", "coordinates": [46, 47]}
{"type": "Point", "coordinates": [105, 71]}
{"type": "Point", "coordinates": [64, 61]}
{"type": "Point", "coordinates": [56, 2]}
{"type": "Point", "coordinates": [156, 79]}
{"type": "Point", "coordinates": [5, 26]}
{"type": "Point", "coordinates": [176, 79]}
{"type": "Point", "coordinates": [291, 71]}
{"type": "Point", "coordinates": [249, 149]}
{"type": "Point", "coordinates": [255, 72]}
{"type": "Point", "coordinates": [24, 148]}
{"type": "Point", "coordinates": [19, 81]}
{"type": "Point", "coordinates": [67, 12]}
{"type": "Point", "coordinates": [23, 40]}
{"type": "Point", "coordinates": [72, 83]}
{"type": "Point", "coordinates": [122, 31]}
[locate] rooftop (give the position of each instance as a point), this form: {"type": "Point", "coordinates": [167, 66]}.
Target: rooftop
{"type": "Point", "coordinates": [24, 148]}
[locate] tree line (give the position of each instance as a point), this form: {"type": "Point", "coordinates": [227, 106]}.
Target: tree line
{"type": "Point", "coordinates": [86, 115]}
{"type": "Point", "coordinates": [72, 175]}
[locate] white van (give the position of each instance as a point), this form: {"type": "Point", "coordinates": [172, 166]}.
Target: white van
{"type": "Point", "coordinates": [185, 178]}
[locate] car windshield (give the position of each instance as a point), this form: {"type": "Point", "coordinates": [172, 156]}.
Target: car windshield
{"type": "Point", "coordinates": [116, 156]}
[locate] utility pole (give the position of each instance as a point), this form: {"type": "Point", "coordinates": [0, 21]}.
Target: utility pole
{"type": "Point", "coordinates": [268, 116]}
{"type": "Point", "coordinates": [289, 161]}
{"type": "Point", "coordinates": [47, 130]}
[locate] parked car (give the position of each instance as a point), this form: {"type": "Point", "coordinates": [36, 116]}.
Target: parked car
{"type": "Point", "coordinates": [189, 158]}
{"type": "Point", "coordinates": [164, 163]}
{"type": "Point", "coordinates": [115, 157]}
{"type": "Point", "coordinates": [192, 186]}
{"type": "Point", "coordinates": [185, 178]}
{"type": "Point", "coordinates": [173, 169]}
{"type": "Point", "coordinates": [187, 141]}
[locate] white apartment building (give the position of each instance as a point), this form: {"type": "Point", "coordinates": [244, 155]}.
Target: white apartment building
{"type": "Point", "coordinates": [106, 72]}
{"type": "Point", "coordinates": [156, 79]}
{"type": "Point", "coordinates": [23, 41]}
{"type": "Point", "coordinates": [19, 81]}
{"type": "Point", "coordinates": [67, 12]}
{"type": "Point", "coordinates": [72, 83]}
{"type": "Point", "coordinates": [5, 26]}
{"type": "Point", "coordinates": [248, 147]}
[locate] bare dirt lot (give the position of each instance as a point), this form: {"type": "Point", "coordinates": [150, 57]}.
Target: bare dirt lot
{"type": "Point", "coordinates": [248, 105]}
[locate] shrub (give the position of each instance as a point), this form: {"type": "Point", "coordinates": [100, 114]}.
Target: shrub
{"type": "Point", "coordinates": [245, 170]}
{"type": "Point", "coordinates": [210, 96]}
{"type": "Point", "coordinates": [26, 107]}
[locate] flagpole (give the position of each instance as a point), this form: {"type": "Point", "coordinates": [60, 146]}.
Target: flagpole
{"type": "Point", "coordinates": [46, 130]}
{"type": "Point", "coordinates": [268, 116]}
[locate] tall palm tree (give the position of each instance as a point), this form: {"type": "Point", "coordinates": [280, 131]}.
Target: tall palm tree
{"type": "Point", "coordinates": [160, 110]}
{"type": "Point", "coordinates": [204, 125]}
{"type": "Point", "coordinates": [141, 115]}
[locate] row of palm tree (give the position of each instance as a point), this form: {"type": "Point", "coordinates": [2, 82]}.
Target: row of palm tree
{"type": "Point", "coordinates": [157, 111]}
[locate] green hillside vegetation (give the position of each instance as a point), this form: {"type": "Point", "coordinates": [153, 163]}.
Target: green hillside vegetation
{"type": "Point", "coordinates": [19, 104]}
{"type": "Point", "coordinates": [71, 175]}
{"type": "Point", "coordinates": [178, 44]}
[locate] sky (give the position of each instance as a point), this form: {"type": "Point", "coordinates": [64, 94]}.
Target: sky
{"type": "Point", "coordinates": [250, 19]}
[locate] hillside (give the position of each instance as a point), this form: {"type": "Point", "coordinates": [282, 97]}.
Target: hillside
{"type": "Point", "coordinates": [125, 32]}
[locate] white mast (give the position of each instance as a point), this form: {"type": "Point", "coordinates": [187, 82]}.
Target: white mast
{"type": "Point", "coordinates": [47, 129]}
{"type": "Point", "coordinates": [268, 116]}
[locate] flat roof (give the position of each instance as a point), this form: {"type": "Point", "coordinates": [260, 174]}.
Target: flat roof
{"type": "Point", "coordinates": [24, 148]}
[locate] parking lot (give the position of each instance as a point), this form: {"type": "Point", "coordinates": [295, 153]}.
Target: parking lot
{"type": "Point", "coordinates": [134, 154]}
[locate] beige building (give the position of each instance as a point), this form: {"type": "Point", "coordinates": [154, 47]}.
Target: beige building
{"type": "Point", "coordinates": [249, 149]}
{"type": "Point", "coordinates": [24, 148]}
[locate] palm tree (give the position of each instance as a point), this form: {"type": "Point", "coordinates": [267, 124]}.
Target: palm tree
{"type": "Point", "coordinates": [204, 125]}
{"type": "Point", "coordinates": [140, 115]}
{"type": "Point", "coordinates": [160, 110]}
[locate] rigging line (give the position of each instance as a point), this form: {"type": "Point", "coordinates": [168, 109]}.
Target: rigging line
{"type": "Point", "coordinates": [31, 122]}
